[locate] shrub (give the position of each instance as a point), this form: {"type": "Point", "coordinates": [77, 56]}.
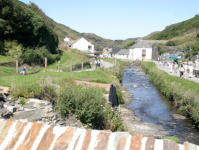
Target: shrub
{"type": "Point", "coordinates": [170, 43]}
{"type": "Point", "coordinates": [112, 120]}
{"type": "Point", "coordinates": [35, 56]}
{"type": "Point", "coordinates": [86, 103]}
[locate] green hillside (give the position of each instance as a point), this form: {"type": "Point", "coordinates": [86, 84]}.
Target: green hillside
{"type": "Point", "coordinates": [25, 35]}
{"type": "Point", "coordinates": [182, 36]}
{"type": "Point", "coordinates": [63, 31]}
{"type": "Point", "coordinates": [179, 29]}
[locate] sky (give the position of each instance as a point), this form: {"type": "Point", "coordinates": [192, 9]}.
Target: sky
{"type": "Point", "coordinates": [118, 19]}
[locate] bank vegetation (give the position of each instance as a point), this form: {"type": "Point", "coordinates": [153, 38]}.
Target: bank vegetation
{"type": "Point", "coordinates": [184, 94]}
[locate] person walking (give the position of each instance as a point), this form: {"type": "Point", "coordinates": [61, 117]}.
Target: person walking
{"type": "Point", "coordinates": [181, 70]}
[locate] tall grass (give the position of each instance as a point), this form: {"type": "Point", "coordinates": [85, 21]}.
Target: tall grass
{"type": "Point", "coordinates": [183, 93]}
{"type": "Point", "coordinates": [89, 105]}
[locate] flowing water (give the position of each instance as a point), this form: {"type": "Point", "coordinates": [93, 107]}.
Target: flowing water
{"type": "Point", "coordinates": [151, 107]}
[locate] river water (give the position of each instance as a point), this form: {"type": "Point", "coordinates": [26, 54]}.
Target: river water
{"type": "Point", "coordinates": [151, 107]}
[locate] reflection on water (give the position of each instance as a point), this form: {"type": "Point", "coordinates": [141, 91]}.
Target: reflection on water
{"type": "Point", "coordinates": [151, 107]}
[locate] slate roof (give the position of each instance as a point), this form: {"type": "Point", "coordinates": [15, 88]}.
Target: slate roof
{"type": "Point", "coordinates": [22, 135]}
{"type": "Point", "coordinates": [145, 43]}
{"type": "Point", "coordinates": [123, 52]}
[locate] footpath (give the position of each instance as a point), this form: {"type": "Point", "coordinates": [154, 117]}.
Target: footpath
{"type": "Point", "coordinates": [173, 73]}
{"type": "Point", "coordinates": [103, 64]}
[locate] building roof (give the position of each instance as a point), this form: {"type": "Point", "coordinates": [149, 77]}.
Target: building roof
{"type": "Point", "coordinates": [146, 43]}
{"type": "Point", "coordinates": [83, 39]}
{"type": "Point", "coordinates": [27, 135]}
{"type": "Point", "coordinates": [123, 52]}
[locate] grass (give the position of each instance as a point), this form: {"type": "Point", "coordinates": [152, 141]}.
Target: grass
{"type": "Point", "coordinates": [89, 103]}
{"type": "Point", "coordinates": [173, 138]}
{"type": "Point", "coordinates": [184, 94]}
{"type": "Point", "coordinates": [4, 59]}
{"type": "Point", "coordinates": [70, 57]}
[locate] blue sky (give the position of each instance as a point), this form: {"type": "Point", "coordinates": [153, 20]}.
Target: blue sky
{"type": "Point", "coordinates": [118, 19]}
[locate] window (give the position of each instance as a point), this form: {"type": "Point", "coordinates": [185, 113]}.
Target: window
{"type": "Point", "coordinates": [143, 52]}
{"type": "Point", "coordinates": [89, 47]}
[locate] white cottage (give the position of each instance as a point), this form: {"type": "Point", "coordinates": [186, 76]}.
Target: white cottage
{"type": "Point", "coordinates": [83, 45]}
{"type": "Point", "coordinates": [143, 50]}
{"type": "Point", "coordinates": [122, 54]}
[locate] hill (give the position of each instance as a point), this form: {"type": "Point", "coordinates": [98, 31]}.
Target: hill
{"type": "Point", "coordinates": [179, 29]}
{"type": "Point", "coordinates": [63, 31]}
{"type": "Point", "coordinates": [182, 36]}
{"type": "Point", "coordinates": [25, 35]}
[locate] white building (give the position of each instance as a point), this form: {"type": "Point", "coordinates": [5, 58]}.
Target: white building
{"type": "Point", "coordinates": [83, 45]}
{"type": "Point", "coordinates": [122, 54]}
{"type": "Point", "coordinates": [67, 39]}
{"type": "Point", "coordinates": [143, 50]}
{"type": "Point", "coordinates": [107, 53]}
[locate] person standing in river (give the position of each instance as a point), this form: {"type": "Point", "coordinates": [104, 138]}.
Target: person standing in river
{"type": "Point", "coordinates": [181, 70]}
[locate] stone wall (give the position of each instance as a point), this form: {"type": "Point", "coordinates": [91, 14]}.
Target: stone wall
{"type": "Point", "coordinates": [22, 135]}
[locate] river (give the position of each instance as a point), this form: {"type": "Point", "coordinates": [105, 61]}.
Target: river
{"type": "Point", "coordinates": [153, 110]}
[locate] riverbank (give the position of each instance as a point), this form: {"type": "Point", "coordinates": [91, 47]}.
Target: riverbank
{"type": "Point", "coordinates": [134, 125]}
{"type": "Point", "coordinates": [146, 112]}
{"type": "Point", "coordinates": [184, 94]}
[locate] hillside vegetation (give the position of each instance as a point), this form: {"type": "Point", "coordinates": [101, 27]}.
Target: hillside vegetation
{"type": "Point", "coordinates": [25, 35]}
{"type": "Point", "coordinates": [182, 36]}
{"type": "Point", "coordinates": [179, 29]}
{"type": "Point", "coordinates": [63, 31]}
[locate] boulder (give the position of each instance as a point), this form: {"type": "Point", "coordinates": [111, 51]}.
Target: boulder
{"type": "Point", "coordinates": [113, 96]}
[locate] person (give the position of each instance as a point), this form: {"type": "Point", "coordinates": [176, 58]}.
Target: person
{"type": "Point", "coordinates": [181, 70]}
{"type": "Point", "coordinates": [191, 71]}
{"type": "Point", "coordinates": [23, 70]}
{"type": "Point", "coordinates": [96, 63]}
{"type": "Point", "coordinates": [176, 68]}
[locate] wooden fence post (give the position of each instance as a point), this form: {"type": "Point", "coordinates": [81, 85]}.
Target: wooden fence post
{"type": "Point", "coordinates": [58, 66]}
{"type": "Point", "coordinates": [71, 68]}
{"type": "Point", "coordinates": [46, 63]}
{"type": "Point", "coordinates": [82, 66]}
{"type": "Point", "coordinates": [17, 66]}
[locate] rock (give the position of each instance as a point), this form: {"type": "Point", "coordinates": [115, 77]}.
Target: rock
{"type": "Point", "coordinates": [5, 113]}
{"type": "Point", "coordinates": [32, 115]}
{"type": "Point", "coordinates": [3, 97]}
{"type": "Point", "coordinates": [10, 108]}
{"type": "Point", "coordinates": [1, 104]}
{"type": "Point", "coordinates": [62, 122]}
{"type": "Point", "coordinates": [6, 90]}
{"type": "Point", "coordinates": [113, 96]}
{"type": "Point", "coordinates": [179, 117]}
{"type": "Point", "coordinates": [38, 101]}
{"type": "Point", "coordinates": [134, 86]}
{"type": "Point", "coordinates": [29, 107]}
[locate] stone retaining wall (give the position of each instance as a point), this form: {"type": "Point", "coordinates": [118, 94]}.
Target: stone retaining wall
{"type": "Point", "coordinates": [20, 135]}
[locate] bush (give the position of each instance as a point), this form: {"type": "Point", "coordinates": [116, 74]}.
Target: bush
{"type": "Point", "coordinates": [112, 120]}
{"type": "Point", "coordinates": [86, 103]}
{"type": "Point", "coordinates": [170, 43]}
{"type": "Point", "coordinates": [35, 56]}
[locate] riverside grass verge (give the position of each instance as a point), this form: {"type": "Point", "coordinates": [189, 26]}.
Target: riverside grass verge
{"type": "Point", "coordinates": [53, 86]}
{"type": "Point", "coordinates": [184, 94]}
